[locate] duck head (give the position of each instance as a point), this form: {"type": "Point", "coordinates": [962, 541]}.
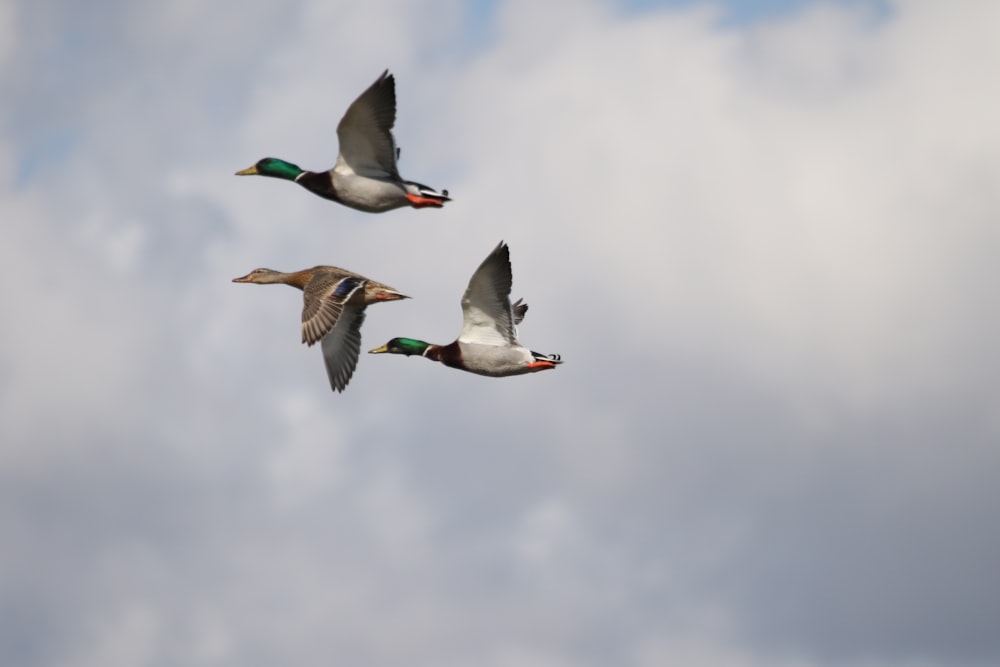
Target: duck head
{"type": "Point", "coordinates": [262, 277]}
{"type": "Point", "coordinates": [407, 346]}
{"type": "Point", "coordinates": [272, 166]}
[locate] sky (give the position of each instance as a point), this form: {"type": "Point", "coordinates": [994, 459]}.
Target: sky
{"type": "Point", "coordinates": [762, 236]}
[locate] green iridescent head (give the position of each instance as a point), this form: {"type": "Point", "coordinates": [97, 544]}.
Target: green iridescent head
{"type": "Point", "coordinates": [272, 166]}
{"type": "Point", "coordinates": [405, 346]}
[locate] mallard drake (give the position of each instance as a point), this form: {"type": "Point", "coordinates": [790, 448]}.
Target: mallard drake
{"type": "Point", "coordinates": [365, 176]}
{"type": "Point", "coordinates": [488, 343]}
{"type": "Point", "coordinates": [334, 309]}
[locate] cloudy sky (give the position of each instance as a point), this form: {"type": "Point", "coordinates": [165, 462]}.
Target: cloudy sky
{"type": "Point", "coordinates": [763, 236]}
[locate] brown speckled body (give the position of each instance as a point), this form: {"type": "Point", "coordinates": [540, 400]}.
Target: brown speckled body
{"type": "Point", "coordinates": [334, 302]}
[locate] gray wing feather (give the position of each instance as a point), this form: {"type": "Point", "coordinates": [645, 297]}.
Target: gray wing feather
{"type": "Point", "coordinates": [519, 309]}
{"type": "Point", "coordinates": [324, 304]}
{"type": "Point", "coordinates": [367, 147]}
{"type": "Point", "coordinates": [342, 346]}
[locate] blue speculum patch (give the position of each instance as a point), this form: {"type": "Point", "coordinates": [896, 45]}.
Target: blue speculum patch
{"type": "Point", "coordinates": [346, 286]}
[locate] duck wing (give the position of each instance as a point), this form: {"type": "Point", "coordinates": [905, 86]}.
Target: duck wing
{"type": "Point", "coordinates": [487, 318]}
{"type": "Point", "coordinates": [326, 297]}
{"type": "Point", "coordinates": [342, 346]}
{"type": "Point", "coordinates": [367, 147]}
{"type": "Point", "coordinates": [520, 309]}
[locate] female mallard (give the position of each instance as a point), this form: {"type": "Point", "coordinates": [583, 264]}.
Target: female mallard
{"type": "Point", "coordinates": [334, 310]}
{"type": "Point", "coordinates": [488, 344]}
{"type": "Point", "coordinates": [365, 176]}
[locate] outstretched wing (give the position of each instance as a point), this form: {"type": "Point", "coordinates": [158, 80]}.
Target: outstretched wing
{"type": "Point", "coordinates": [367, 147]}
{"type": "Point", "coordinates": [486, 312]}
{"type": "Point", "coordinates": [519, 309]}
{"type": "Point", "coordinates": [325, 297]}
{"type": "Point", "coordinates": [342, 346]}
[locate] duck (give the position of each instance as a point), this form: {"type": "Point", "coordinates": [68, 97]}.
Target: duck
{"type": "Point", "coordinates": [365, 176]}
{"type": "Point", "coordinates": [334, 309]}
{"type": "Point", "coordinates": [488, 342]}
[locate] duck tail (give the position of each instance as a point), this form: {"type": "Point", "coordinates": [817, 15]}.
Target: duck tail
{"type": "Point", "coordinates": [553, 358]}
{"type": "Point", "coordinates": [429, 192]}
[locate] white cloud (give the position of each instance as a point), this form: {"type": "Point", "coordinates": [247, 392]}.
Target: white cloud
{"type": "Point", "coordinates": [548, 532]}
{"type": "Point", "coordinates": [309, 458]}
{"type": "Point", "coordinates": [764, 251]}
{"type": "Point", "coordinates": [127, 639]}
{"type": "Point", "coordinates": [752, 190]}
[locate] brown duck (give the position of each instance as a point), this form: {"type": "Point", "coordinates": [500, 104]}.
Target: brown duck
{"type": "Point", "coordinates": [334, 309]}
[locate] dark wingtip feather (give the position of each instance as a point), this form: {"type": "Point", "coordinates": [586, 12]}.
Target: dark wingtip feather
{"type": "Point", "coordinates": [519, 308]}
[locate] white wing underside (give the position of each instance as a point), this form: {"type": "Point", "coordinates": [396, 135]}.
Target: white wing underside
{"type": "Point", "coordinates": [480, 327]}
{"type": "Point", "coordinates": [486, 312]}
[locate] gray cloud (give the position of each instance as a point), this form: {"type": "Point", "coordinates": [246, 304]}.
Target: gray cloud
{"type": "Point", "coordinates": [765, 252]}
